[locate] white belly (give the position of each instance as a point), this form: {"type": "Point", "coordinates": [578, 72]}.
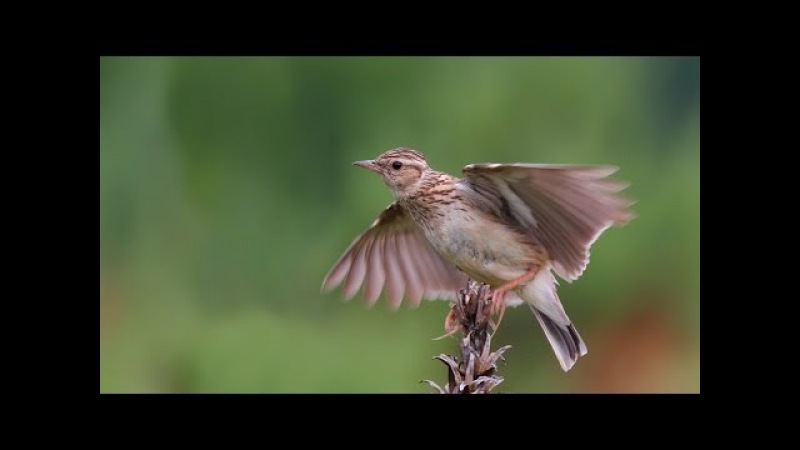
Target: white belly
{"type": "Point", "coordinates": [485, 250]}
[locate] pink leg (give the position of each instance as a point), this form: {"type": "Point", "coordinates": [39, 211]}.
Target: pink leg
{"type": "Point", "coordinates": [499, 294]}
{"type": "Point", "coordinates": [451, 325]}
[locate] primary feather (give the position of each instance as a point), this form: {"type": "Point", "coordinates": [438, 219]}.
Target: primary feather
{"type": "Point", "coordinates": [393, 255]}
{"type": "Point", "coordinates": [564, 208]}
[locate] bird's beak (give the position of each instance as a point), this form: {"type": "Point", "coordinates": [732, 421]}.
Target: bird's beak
{"type": "Point", "coordinates": [368, 164]}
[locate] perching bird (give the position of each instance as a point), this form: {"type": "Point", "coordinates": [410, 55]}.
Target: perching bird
{"type": "Point", "coordinates": [507, 225]}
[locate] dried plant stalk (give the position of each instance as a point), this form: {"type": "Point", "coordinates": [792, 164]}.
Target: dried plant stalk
{"type": "Point", "coordinates": [476, 371]}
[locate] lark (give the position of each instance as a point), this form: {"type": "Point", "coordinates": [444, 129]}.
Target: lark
{"type": "Point", "coordinates": [511, 226]}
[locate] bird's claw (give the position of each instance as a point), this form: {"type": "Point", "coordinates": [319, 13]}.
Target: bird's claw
{"type": "Point", "coordinates": [452, 324]}
{"type": "Point", "coordinates": [498, 306]}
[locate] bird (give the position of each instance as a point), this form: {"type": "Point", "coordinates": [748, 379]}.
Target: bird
{"type": "Point", "coordinates": [511, 226]}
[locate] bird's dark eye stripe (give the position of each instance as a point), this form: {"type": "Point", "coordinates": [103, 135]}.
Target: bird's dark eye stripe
{"type": "Point", "coordinates": [397, 165]}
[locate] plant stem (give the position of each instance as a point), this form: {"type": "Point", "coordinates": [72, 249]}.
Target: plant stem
{"type": "Point", "coordinates": [476, 370]}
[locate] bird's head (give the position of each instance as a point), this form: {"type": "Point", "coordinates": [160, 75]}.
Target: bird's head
{"type": "Point", "coordinates": [401, 169]}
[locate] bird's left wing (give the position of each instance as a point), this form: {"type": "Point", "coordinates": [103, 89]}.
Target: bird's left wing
{"type": "Point", "coordinates": [394, 255]}
{"type": "Point", "coordinates": [564, 207]}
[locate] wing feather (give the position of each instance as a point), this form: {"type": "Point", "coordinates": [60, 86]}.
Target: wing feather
{"type": "Point", "coordinates": [393, 257]}
{"type": "Point", "coordinates": [375, 273]}
{"type": "Point", "coordinates": [563, 207]}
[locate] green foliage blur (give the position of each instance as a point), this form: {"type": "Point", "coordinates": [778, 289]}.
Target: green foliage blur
{"type": "Point", "coordinates": [227, 192]}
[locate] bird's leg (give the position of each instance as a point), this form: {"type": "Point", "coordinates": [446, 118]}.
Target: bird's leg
{"type": "Point", "coordinates": [452, 324]}
{"type": "Point", "coordinates": [499, 294]}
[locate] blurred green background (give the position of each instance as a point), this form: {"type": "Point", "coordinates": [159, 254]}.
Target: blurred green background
{"type": "Point", "coordinates": [227, 192]}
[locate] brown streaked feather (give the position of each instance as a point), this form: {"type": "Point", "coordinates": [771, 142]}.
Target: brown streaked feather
{"type": "Point", "coordinates": [565, 208]}
{"type": "Point", "coordinates": [402, 152]}
{"type": "Point", "coordinates": [393, 256]}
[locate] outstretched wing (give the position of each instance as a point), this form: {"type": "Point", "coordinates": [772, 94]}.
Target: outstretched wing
{"type": "Point", "coordinates": [394, 255]}
{"type": "Point", "coordinates": [565, 208]}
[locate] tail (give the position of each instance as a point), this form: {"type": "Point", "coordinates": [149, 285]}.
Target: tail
{"type": "Point", "coordinates": [566, 342]}
{"type": "Point", "coordinates": [541, 296]}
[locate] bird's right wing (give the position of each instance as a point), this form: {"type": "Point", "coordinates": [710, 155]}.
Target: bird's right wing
{"type": "Point", "coordinates": [394, 255]}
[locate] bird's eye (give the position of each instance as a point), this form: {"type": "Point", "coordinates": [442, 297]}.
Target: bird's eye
{"type": "Point", "coordinates": [397, 165]}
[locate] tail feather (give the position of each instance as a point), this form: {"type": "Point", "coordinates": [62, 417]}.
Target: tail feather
{"type": "Point", "coordinates": [566, 342]}
{"type": "Point", "coordinates": [541, 296]}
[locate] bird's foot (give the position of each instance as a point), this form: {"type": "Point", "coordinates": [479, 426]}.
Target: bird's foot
{"type": "Point", "coordinates": [498, 298]}
{"type": "Point", "coordinates": [498, 306]}
{"type": "Point", "coordinates": [452, 324]}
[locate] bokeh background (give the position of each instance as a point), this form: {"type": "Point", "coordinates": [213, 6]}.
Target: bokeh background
{"type": "Point", "coordinates": [227, 192]}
